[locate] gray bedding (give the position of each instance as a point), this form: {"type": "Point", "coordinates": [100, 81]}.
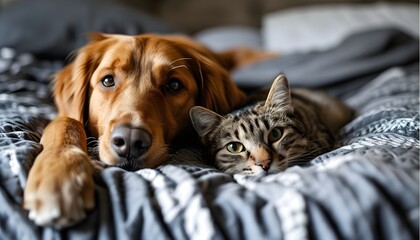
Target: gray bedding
{"type": "Point", "coordinates": [367, 188]}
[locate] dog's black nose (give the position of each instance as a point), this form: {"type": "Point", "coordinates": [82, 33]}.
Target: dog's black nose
{"type": "Point", "coordinates": [130, 143]}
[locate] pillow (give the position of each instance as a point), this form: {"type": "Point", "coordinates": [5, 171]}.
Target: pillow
{"type": "Point", "coordinates": [223, 38]}
{"type": "Point", "coordinates": [359, 55]}
{"type": "Point", "coordinates": [320, 27]}
{"type": "Point", "coordinates": [54, 28]}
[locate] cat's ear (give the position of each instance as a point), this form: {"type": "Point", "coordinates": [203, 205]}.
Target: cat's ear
{"type": "Point", "coordinates": [204, 120]}
{"type": "Point", "coordinates": [279, 94]}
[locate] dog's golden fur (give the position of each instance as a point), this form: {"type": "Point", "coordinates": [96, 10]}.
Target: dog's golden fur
{"type": "Point", "coordinates": [155, 81]}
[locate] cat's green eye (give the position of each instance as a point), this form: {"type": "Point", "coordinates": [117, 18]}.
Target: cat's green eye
{"type": "Point", "coordinates": [275, 135]}
{"type": "Point", "coordinates": [235, 147]}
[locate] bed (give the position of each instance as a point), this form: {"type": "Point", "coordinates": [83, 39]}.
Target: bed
{"type": "Point", "coordinates": [366, 188]}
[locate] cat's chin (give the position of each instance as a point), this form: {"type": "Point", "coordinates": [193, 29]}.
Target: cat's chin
{"type": "Point", "coordinates": [259, 171]}
{"type": "Point", "coordinates": [253, 171]}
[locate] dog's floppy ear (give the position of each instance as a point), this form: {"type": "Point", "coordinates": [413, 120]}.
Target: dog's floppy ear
{"type": "Point", "coordinates": [217, 90]}
{"type": "Point", "coordinates": [71, 84]}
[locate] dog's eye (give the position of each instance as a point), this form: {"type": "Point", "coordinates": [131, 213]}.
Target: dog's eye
{"type": "Point", "coordinates": [108, 81]}
{"type": "Point", "coordinates": [173, 85]}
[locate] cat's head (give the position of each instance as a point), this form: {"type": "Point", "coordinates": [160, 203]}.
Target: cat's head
{"type": "Point", "coordinates": [254, 139]}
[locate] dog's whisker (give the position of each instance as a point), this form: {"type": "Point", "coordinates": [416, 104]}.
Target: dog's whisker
{"type": "Point", "coordinates": [179, 59]}
{"type": "Point", "coordinates": [201, 75]}
{"type": "Point", "coordinates": [86, 122]}
{"type": "Point", "coordinates": [179, 66]}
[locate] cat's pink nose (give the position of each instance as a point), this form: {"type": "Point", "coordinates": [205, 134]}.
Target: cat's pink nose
{"type": "Point", "coordinates": [265, 164]}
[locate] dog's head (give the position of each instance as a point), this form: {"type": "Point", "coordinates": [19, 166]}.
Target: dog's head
{"type": "Point", "coordinates": [134, 93]}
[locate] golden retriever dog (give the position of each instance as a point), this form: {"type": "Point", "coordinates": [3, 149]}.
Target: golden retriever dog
{"type": "Point", "coordinates": [132, 93]}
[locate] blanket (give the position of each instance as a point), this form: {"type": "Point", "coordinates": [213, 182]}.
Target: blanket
{"type": "Point", "coordinates": [367, 188]}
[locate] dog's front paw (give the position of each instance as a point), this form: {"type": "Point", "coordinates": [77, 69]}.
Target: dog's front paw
{"type": "Point", "coordinates": [60, 187]}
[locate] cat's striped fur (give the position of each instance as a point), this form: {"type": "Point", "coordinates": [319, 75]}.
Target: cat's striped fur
{"type": "Point", "coordinates": [289, 128]}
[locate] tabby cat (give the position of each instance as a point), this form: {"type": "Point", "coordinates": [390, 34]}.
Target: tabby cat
{"type": "Point", "coordinates": [288, 128]}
